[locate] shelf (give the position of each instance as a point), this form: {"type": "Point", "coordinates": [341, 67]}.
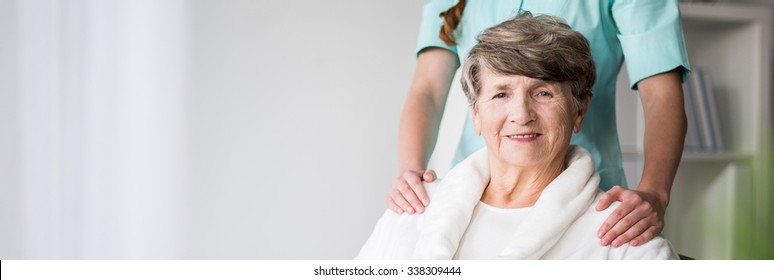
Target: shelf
{"type": "Point", "coordinates": [713, 13]}
{"type": "Point", "coordinates": [695, 156]}
{"type": "Point", "coordinates": [720, 207]}
{"type": "Point", "coordinates": [717, 156]}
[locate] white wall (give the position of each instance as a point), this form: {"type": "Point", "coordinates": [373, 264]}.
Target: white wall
{"type": "Point", "coordinates": [93, 128]}
{"type": "Point", "coordinates": [199, 130]}
{"type": "Point", "coordinates": [294, 114]}
{"type": "Point", "coordinates": [10, 192]}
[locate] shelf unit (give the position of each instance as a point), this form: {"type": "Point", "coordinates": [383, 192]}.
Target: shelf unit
{"type": "Point", "coordinates": [721, 203]}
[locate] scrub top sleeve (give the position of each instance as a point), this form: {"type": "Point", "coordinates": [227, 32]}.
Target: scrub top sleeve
{"type": "Point", "coordinates": [651, 37]}
{"type": "Point", "coordinates": [430, 26]}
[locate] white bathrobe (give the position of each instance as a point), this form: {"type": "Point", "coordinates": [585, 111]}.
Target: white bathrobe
{"type": "Point", "coordinates": [561, 225]}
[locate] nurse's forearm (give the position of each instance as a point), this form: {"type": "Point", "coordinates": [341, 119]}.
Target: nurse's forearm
{"type": "Point", "coordinates": [418, 132]}
{"type": "Point", "coordinates": [665, 126]}
{"type": "Point", "coordinates": [424, 107]}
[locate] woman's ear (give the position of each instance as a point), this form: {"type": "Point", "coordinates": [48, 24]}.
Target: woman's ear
{"type": "Point", "coordinates": [581, 114]}
{"type": "Point", "coordinates": [476, 120]}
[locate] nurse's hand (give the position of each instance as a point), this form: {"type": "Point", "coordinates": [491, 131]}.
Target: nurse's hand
{"type": "Point", "coordinates": [408, 192]}
{"type": "Point", "coordinates": [637, 220]}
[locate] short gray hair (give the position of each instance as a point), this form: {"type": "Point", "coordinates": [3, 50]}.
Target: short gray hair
{"type": "Point", "coordinates": [541, 47]}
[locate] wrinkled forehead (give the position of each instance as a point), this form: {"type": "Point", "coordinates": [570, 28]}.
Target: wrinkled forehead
{"type": "Point", "coordinates": [493, 80]}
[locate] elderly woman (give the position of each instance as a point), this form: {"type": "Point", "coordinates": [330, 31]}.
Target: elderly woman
{"type": "Point", "coordinates": [528, 194]}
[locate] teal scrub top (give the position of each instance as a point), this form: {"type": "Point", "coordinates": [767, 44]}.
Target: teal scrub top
{"type": "Point", "coordinates": [647, 33]}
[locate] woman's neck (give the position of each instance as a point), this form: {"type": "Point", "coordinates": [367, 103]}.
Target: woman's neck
{"type": "Point", "coordinates": [512, 187]}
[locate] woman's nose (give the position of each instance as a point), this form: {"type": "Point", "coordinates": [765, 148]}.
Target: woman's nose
{"type": "Point", "coordinates": [521, 110]}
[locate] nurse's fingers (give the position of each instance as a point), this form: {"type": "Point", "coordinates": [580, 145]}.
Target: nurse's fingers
{"type": "Point", "coordinates": [609, 197]}
{"type": "Point", "coordinates": [429, 176]}
{"type": "Point", "coordinates": [639, 212]}
{"type": "Point", "coordinates": [629, 230]}
{"type": "Point", "coordinates": [605, 201]}
{"type": "Point", "coordinates": [393, 205]}
{"type": "Point", "coordinates": [620, 220]}
{"type": "Point", "coordinates": [645, 223]}
{"type": "Point", "coordinates": [408, 191]}
{"type": "Point", "coordinates": [646, 236]}
{"type": "Point", "coordinates": [619, 226]}
{"type": "Point", "coordinates": [396, 200]}
{"type": "Point", "coordinates": [415, 193]}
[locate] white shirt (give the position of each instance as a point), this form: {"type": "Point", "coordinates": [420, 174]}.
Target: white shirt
{"type": "Point", "coordinates": [489, 231]}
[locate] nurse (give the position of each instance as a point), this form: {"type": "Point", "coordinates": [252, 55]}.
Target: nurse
{"type": "Point", "coordinates": [529, 194]}
{"type": "Point", "coordinates": [646, 34]}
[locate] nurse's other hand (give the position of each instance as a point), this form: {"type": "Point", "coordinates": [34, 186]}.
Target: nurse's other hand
{"type": "Point", "coordinates": [638, 219]}
{"type": "Point", "coordinates": [408, 192]}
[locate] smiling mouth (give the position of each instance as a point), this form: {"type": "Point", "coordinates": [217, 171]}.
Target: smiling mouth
{"type": "Point", "coordinates": [524, 136]}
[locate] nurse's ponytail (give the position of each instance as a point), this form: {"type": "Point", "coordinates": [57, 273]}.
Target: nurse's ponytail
{"type": "Point", "coordinates": [451, 18]}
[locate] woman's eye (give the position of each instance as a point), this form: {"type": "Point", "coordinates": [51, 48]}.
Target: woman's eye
{"type": "Point", "coordinates": [544, 93]}
{"type": "Point", "coordinates": [499, 95]}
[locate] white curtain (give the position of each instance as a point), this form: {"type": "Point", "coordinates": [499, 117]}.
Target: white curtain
{"type": "Point", "coordinates": [102, 91]}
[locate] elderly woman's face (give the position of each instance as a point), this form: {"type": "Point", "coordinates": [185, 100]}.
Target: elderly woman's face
{"type": "Point", "coordinates": [524, 121]}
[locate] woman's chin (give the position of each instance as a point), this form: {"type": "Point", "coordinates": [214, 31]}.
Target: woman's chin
{"type": "Point", "coordinates": [523, 158]}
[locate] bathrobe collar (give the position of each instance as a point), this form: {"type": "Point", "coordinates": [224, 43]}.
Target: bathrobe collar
{"type": "Point", "coordinates": [559, 205]}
